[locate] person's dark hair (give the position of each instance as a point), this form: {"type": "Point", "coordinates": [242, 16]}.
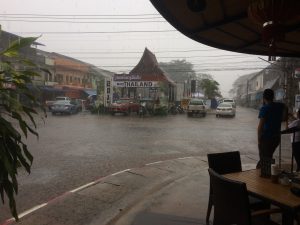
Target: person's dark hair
{"type": "Point", "coordinates": [298, 113]}
{"type": "Point", "coordinates": [268, 94]}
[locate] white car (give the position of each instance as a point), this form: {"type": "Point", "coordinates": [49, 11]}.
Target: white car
{"type": "Point", "coordinates": [196, 106]}
{"type": "Point", "coordinates": [62, 98]}
{"type": "Point", "coordinates": [229, 100]}
{"type": "Point", "coordinates": [225, 109]}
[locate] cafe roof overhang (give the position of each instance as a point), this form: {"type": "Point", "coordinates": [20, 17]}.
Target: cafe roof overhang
{"type": "Point", "coordinates": [224, 24]}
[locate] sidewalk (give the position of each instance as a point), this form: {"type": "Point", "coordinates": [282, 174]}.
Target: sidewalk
{"type": "Point", "coordinates": [172, 192]}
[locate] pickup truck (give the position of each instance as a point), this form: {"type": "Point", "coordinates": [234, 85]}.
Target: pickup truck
{"type": "Point", "coordinates": [196, 107]}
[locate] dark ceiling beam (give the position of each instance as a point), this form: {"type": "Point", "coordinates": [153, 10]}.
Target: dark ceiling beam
{"type": "Point", "coordinates": [223, 8]}
{"type": "Point", "coordinates": [227, 20]}
{"type": "Point", "coordinates": [231, 34]}
{"type": "Point", "coordinates": [293, 28]}
{"type": "Point", "coordinates": [250, 29]}
{"type": "Point", "coordinates": [249, 44]}
{"type": "Point", "coordinates": [287, 30]}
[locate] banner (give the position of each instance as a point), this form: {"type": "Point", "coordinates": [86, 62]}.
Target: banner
{"type": "Point", "coordinates": [136, 84]}
{"type": "Point", "coordinates": [127, 77]}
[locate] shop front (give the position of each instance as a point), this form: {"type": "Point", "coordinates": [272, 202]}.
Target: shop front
{"type": "Point", "coordinates": [145, 81]}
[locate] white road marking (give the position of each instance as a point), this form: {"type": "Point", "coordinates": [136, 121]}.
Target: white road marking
{"type": "Point", "coordinates": [78, 189]}
{"type": "Point", "coordinates": [26, 212]}
{"type": "Point", "coordinates": [82, 187]}
{"type": "Point", "coordinates": [114, 174]}
{"type": "Point", "coordinates": [153, 163]}
{"type": "Point", "coordinates": [189, 157]}
{"type": "Point", "coordinates": [32, 210]}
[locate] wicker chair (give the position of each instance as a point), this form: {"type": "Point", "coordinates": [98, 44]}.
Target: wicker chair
{"type": "Point", "coordinates": [231, 203]}
{"type": "Point", "coordinates": [229, 162]}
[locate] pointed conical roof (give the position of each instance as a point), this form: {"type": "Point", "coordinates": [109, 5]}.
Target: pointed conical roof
{"type": "Point", "coordinates": [149, 69]}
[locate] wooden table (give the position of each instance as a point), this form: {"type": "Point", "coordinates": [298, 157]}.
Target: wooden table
{"type": "Point", "coordinates": [276, 194]}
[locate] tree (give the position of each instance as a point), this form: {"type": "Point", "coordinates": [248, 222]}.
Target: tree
{"type": "Point", "coordinates": [210, 87]}
{"type": "Point", "coordinates": [16, 119]}
{"type": "Point", "coordinates": [179, 70]}
{"type": "Point", "coordinates": [201, 76]}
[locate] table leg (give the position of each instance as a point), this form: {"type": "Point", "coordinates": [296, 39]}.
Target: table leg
{"type": "Point", "coordinates": [287, 217]}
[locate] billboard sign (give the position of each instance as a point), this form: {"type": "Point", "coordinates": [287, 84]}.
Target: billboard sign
{"type": "Point", "coordinates": [136, 84]}
{"type": "Point", "coordinates": [108, 92]}
{"type": "Point", "coordinates": [127, 77]}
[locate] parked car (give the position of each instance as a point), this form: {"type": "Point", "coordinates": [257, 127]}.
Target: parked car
{"type": "Point", "coordinates": [63, 107]}
{"type": "Point", "coordinates": [225, 109]}
{"type": "Point", "coordinates": [62, 98]}
{"type": "Point", "coordinates": [49, 103]}
{"type": "Point", "coordinates": [196, 107]}
{"type": "Point", "coordinates": [125, 106]}
{"type": "Point", "coordinates": [78, 104]}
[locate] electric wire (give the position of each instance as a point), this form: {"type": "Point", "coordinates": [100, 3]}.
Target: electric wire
{"type": "Point", "coordinates": [96, 32]}
{"type": "Point", "coordinates": [78, 15]}
{"type": "Point", "coordinates": [85, 22]}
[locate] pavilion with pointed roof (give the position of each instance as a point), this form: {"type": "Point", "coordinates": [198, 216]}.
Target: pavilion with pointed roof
{"type": "Point", "coordinates": [146, 80]}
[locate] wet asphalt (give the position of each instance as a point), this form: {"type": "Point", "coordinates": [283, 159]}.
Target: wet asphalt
{"type": "Point", "coordinates": [77, 149]}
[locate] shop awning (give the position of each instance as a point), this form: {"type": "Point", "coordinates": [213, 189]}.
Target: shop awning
{"type": "Point", "coordinates": [225, 24]}
{"type": "Point", "coordinates": [50, 89]}
{"type": "Point", "coordinates": [90, 91]}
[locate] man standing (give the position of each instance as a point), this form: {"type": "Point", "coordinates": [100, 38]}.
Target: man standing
{"type": "Point", "coordinates": [268, 131]}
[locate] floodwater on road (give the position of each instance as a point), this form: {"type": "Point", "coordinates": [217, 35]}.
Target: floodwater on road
{"type": "Point", "coordinates": [74, 150]}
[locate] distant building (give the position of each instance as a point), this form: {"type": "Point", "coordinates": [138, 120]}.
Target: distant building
{"type": "Point", "coordinates": [146, 80]}
{"type": "Point", "coordinates": [279, 76]}
{"type": "Point", "coordinates": [28, 52]}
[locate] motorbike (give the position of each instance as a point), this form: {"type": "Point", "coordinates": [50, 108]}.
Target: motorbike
{"type": "Point", "coordinates": [173, 110]}
{"type": "Point", "coordinates": [142, 109]}
{"type": "Point", "coordinates": [179, 109]}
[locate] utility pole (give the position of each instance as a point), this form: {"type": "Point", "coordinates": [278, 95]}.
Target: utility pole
{"type": "Point", "coordinates": [247, 94]}
{"type": "Point", "coordinates": [288, 83]}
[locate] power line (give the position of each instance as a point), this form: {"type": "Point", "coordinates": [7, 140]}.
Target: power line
{"type": "Point", "coordinates": [182, 70]}
{"type": "Point", "coordinates": [168, 57]}
{"type": "Point", "coordinates": [79, 22]}
{"type": "Point", "coordinates": [96, 32]}
{"type": "Point", "coordinates": [78, 15]}
{"type": "Point", "coordinates": [82, 18]}
{"type": "Point", "coordinates": [139, 52]}
{"type": "Point", "coordinates": [201, 70]}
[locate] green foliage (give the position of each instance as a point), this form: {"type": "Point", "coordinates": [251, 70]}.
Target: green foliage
{"type": "Point", "coordinates": [101, 109]}
{"type": "Point", "coordinates": [161, 111]}
{"type": "Point", "coordinates": [179, 70]}
{"type": "Point", "coordinates": [210, 87]}
{"type": "Point", "coordinates": [14, 117]}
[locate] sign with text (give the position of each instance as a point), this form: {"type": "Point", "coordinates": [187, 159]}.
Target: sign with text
{"type": "Point", "coordinates": [136, 84]}
{"type": "Point", "coordinates": [127, 77]}
{"type": "Point", "coordinates": [108, 92]}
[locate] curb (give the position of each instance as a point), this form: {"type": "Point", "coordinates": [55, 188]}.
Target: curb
{"type": "Point", "coordinates": [85, 186]}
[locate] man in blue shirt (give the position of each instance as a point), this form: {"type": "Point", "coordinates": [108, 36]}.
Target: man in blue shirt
{"type": "Point", "coordinates": [268, 131]}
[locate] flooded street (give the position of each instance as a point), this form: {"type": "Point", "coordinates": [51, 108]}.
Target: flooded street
{"type": "Point", "coordinates": [74, 150]}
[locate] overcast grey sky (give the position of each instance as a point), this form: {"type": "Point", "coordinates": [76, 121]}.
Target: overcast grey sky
{"type": "Point", "coordinates": [112, 35]}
